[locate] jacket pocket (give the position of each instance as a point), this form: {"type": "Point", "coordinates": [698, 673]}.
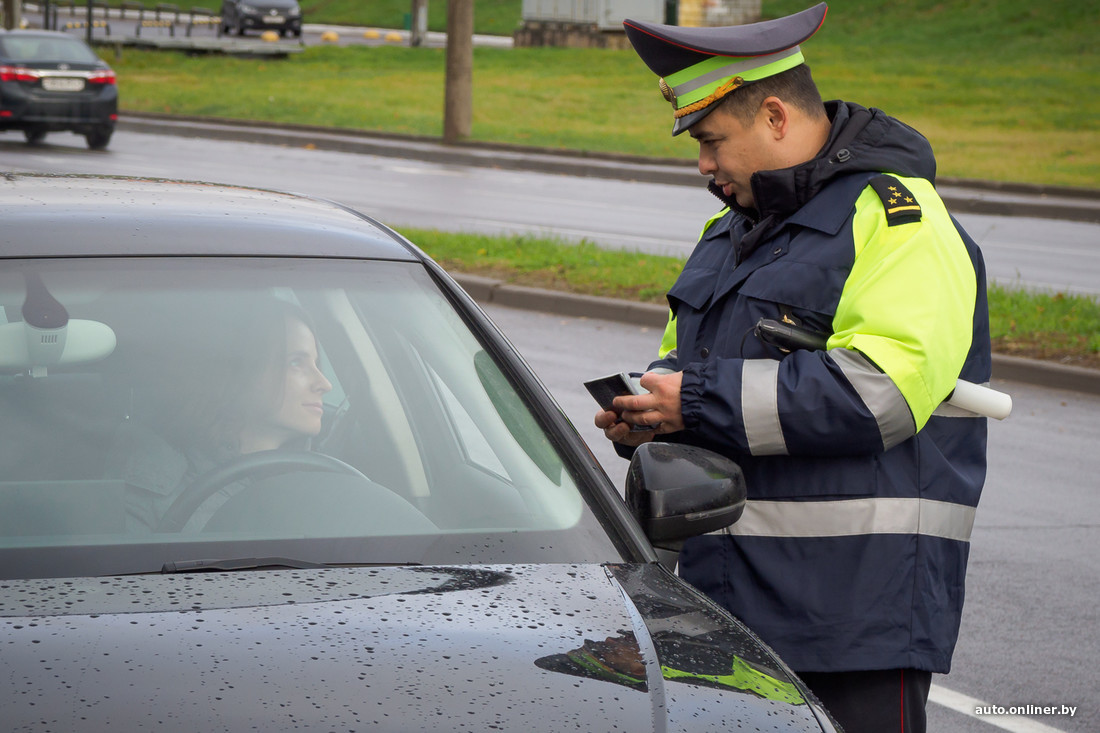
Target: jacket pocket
{"type": "Point", "coordinates": [693, 288]}
{"type": "Point", "coordinates": [805, 291]}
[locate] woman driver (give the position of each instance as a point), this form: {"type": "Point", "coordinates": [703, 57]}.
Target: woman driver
{"type": "Point", "coordinates": [292, 407]}
{"type": "Point", "coordinates": [247, 383]}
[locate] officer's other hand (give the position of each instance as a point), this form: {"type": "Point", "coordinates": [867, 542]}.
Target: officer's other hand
{"type": "Point", "coordinates": [660, 408]}
{"type": "Point", "coordinates": [618, 431]}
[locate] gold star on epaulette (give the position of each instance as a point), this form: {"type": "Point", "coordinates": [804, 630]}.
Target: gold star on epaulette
{"type": "Point", "coordinates": [900, 204]}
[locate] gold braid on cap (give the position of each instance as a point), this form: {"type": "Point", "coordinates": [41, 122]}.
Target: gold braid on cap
{"type": "Point", "coordinates": [706, 101]}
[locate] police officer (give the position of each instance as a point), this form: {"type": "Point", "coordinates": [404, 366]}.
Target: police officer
{"type": "Point", "coordinates": [850, 556]}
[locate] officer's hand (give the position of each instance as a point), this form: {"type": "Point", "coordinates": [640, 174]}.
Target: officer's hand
{"type": "Point", "coordinates": [660, 408]}
{"type": "Point", "coordinates": [618, 431]}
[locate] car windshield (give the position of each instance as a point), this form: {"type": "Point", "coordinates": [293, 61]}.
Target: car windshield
{"type": "Point", "coordinates": [32, 49]}
{"type": "Point", "coordinates": [155, 412]}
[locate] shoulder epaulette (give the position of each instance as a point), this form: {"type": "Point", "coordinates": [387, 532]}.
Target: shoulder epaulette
{"type": "Point", "coordinates": [900, 204]}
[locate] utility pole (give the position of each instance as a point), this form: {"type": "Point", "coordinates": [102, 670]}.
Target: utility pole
{"type": "Point", "coordinates": [12, 13]}
{"type": "Point", "coordinates": [418, 27]}
{"type": "Point", "coordinates": [459, 84]}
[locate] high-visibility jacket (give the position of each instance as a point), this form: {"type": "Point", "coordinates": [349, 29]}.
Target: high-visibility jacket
{"type": "Point", "coordinates": [851, 552]}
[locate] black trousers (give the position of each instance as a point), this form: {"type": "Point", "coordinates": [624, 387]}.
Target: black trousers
{"type": "Point", "coordinates": [879, 701]}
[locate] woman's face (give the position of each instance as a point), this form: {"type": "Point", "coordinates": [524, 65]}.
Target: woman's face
{"type": "Point", "coordinates": [296, 407]}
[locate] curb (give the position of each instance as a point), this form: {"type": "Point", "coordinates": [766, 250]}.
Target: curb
{"type": "Point", "coordinates": [960, 195]}
{"type": "Point", "coordinates": [486, 290]}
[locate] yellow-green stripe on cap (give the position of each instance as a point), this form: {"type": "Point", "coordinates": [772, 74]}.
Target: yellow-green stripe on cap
{"type": "Point", "coordinates": [700, 66]}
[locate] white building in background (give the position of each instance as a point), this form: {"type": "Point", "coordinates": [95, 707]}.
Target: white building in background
{"type": "Point", "coordinates": [717, 12]}
{"type": "Point", "coordinates": [598, 23]}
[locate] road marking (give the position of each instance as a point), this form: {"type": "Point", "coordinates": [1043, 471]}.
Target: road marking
{"type": "Point", "coordinates": [966, 705]}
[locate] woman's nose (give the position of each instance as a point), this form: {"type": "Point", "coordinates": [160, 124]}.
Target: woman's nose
{"type": "Point", "coordinates": [320, 381]}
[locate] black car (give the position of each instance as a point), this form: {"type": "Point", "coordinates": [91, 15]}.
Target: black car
{"type": "Point", "coordinates": [265, 466]}
{"type": "Point", "coordinates": [240, 16]}
{"type": "Point", "coordinates": [51, 81]}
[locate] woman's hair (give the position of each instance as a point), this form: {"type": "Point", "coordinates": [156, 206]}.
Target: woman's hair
{"type": "Point", "coordinates": [223, 373]}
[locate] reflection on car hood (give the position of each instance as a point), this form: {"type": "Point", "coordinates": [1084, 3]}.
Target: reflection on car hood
{"type": "Point", "coordinates": [534, 647]}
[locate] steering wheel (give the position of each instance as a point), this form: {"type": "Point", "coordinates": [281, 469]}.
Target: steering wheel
{"type": "Point", "coordinates": [262, 463]}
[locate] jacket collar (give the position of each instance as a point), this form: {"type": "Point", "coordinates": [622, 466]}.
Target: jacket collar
{"type": "Point", "coordinates": [861, 140]}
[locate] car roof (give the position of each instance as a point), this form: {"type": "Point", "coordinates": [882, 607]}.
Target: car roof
{"type": "Point", "coordinates": [76, 215]}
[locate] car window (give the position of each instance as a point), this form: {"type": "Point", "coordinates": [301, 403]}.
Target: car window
{"type": "Point", "coordinates": [337, 410]}
{"type": "Point", "coordinates": [36, 48]}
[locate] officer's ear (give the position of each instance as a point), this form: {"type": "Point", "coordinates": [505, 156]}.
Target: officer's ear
{"type": "Point", "coordinates": [776, 115]}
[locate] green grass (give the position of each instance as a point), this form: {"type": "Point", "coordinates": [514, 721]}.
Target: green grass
{"type": "Point", "coordinates": [1041, 325]}
{"type": "Point", "coordinates": [1061, 327]}
{"type": "Point", "coordinates": [1006, 90]}
{"type": "Point", "coordinates": [546, 262]}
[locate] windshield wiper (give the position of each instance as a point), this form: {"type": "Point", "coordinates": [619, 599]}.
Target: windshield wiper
{"type": "Point", "coordinates": [261, 563]}
{"type": "Point", "coordinates": [240, 563]}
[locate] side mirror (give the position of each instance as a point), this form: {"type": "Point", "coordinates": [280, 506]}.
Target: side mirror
{"type": "Point", "coordinates": [681, 491]}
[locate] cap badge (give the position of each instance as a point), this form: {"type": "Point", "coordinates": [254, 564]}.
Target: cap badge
{"type": "Point", "coordinates": [667, 92]}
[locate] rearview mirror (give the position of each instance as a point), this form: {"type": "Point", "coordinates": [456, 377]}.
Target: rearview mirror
{"type": "Point", "coordinates": [681, 491]}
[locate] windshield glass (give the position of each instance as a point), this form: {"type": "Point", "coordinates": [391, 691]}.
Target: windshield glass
{"type": "Point", "coordinates": [42, 48]}
{"type": "Point", "coordinates": [166, 410]}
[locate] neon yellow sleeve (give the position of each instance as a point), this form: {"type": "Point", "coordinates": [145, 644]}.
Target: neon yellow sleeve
{"type": "Point", "coordinates": [908, 304]}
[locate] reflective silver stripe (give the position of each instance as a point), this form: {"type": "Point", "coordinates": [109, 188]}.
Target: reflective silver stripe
{"type": "Point", "coordinates": [760, 407]}
{"type": "Point", "coordinates": [732, 70]}
{"type": "Point", "coordinates": [879, 393]}
{"type": "Point", "coordinates": [852, 517]}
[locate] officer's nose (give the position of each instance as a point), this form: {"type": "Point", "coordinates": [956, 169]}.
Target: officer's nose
{"type": "Point", "coordinates": [706, 163]}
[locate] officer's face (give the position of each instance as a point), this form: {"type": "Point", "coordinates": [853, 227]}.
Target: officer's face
{"type": "Point", "coordinates": [730, 152]}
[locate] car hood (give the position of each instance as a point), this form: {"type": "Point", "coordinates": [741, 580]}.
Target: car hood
{"type": "Point", "coordinates": [535, 647]}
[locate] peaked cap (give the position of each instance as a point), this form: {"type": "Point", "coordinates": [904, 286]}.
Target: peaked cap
{"type": "Point", "coordinates": [699, 66]}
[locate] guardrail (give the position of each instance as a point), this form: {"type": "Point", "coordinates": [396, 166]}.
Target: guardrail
{"type": "Point", "coordinates": [160, 26]}
{"type": "Point", "coordinates": [169, 24]}
{"type": "Point", "coordinates": [80, 24]}
{"type": "Point", "coordinates": [201, 17]}
{"type": "Point", "coordinates": [162, 15]}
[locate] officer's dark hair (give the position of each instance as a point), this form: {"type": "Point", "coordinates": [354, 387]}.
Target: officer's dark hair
{"type": "Point", "coordinates": [794, 86]}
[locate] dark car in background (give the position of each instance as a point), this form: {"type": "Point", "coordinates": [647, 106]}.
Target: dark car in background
{"type": "Point", "coordinates": [51, 81]}
{"type": "Point", "coordinates": [432, 548]}
{"type": "Point", "coordinates": [240, 16]}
